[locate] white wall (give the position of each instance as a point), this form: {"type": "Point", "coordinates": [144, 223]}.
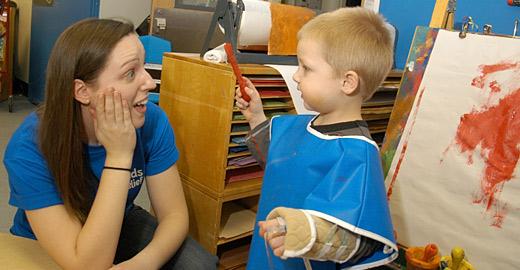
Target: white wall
{"type": "Point", "coordinates": [23, 40]}
{"type": "Point", "coordinates": [134, 10]}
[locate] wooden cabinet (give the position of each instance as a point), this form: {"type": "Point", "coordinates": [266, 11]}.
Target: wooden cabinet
{"type": "Point", "coordinates": [198, 98]}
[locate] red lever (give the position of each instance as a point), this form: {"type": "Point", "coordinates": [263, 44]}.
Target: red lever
{"type": "Point", "coordinates": [233, 61]}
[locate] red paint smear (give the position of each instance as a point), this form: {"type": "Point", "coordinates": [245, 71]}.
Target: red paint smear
{"type": "Point", "coordinates": [486, 70]}
{"type": "Point", "coordinates": [495, 88]}
{"type": "Point", "coordinates": [405, 146]}
{"type": "Point", "coordinates": [497, 131]}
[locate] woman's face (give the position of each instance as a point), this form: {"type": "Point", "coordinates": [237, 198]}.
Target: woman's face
{"type": "Point", "coordinates": [124, 72]}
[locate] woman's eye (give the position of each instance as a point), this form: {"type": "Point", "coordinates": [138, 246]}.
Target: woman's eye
{"type": "Point", "coordinates": [130, 74]}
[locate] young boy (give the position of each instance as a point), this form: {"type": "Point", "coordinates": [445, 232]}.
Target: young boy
{"type": "Point", "coordinates": [323, 202]}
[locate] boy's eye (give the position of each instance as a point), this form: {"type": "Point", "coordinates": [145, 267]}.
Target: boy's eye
{"type": "Point", "coordinates": [130, 74]}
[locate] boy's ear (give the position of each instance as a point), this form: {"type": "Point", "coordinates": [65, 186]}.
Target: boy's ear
{"type": "Point", "coordinates": [81, 93]}
{"type": "Point", "coordinates": [350, 82]}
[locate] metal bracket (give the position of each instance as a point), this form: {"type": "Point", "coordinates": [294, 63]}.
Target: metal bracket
{"type": "Point", "coordinates": [229, 16]}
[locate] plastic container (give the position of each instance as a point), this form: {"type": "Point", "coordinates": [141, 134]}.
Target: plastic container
{"type": "Point", "coordinates": [422, 258]}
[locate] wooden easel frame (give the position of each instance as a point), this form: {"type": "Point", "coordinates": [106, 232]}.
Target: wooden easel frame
{"type": "Point", "coordinates": [443, 14]}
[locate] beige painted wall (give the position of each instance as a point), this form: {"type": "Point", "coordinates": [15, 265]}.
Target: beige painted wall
{"type": "Point", "coordinates": [23, 40]}
{"type": "Point", "coordinates": [133, 10]}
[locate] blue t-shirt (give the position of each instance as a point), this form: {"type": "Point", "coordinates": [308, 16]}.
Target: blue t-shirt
{"type": "Point", "coordinates": [33, 187]}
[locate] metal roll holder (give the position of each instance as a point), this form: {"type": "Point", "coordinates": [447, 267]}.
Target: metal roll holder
{"type": "Point", "coordinates": [228, 15]}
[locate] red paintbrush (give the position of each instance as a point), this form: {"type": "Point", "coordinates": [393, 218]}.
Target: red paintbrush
{"type": "Point", "coordinates": [233, 61]}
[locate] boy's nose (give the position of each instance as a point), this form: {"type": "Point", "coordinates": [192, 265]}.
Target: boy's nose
{"type": "Point", "coordinates": [295, 76]}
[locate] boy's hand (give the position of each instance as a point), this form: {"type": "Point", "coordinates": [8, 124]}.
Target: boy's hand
{"type": "Point", "coordinates": [252, 110]}
{"type": "Point", "coordinates": [273, 232]}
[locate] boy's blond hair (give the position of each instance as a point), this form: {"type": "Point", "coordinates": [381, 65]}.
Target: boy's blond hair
{"type": "Point", "coordinates": [353, 39]}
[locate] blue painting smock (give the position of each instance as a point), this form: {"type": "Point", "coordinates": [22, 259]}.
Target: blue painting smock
{"type": "Point", "coordinates": [337, 178]}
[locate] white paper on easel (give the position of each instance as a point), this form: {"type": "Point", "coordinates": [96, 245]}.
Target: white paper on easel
{"type": "Point", "coordinates": [287, 71]}
{"type": "Point", "coordinates": [446, 192]}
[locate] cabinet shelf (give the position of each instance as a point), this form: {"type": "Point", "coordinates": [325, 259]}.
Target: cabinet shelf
{"type": "Point", "coordinates": [241, 154]}
{"type": "Point", "coordinates": [235, 145]}
{"type": "Point", "coordinates": [239, 122]}
{"type": "Point", "coordinates": [222, 241]}
{"type": "Point", "coordinates": [241, 189]}
{"type": "Point", "coordinates": [240, 167]}
{"type": "Point", "coordinates": [238, 133]}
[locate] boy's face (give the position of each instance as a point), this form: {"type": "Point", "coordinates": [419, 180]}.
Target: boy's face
{"type": "Point", "coordinates": [317, 81]}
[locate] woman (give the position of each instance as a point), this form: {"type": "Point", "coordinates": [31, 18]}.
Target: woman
{"type": "Point", "coordinates": [76, 165]}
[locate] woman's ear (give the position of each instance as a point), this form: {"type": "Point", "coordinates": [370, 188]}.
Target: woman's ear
{"type": "Point", "coordinates": [81, 93]}
{"type": "Point", "coordinates": [350, 80]}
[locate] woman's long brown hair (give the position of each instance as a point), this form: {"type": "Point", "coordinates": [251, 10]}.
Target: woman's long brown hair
{"type": "Point", "coordinates": [81, 52]}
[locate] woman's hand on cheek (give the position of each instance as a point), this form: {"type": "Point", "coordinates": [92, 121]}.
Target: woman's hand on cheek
{"type": "Point", "coordinates": [113, 124]}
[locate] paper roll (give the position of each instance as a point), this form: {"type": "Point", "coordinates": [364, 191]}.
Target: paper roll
{"type": "Point", "coordinates": [217, 55]}
{"type": "Point", "coordinates": [255, 24]}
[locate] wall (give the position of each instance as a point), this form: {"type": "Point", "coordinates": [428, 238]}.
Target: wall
{"type": "Point", "coordinates": [133, 10]}
{"type": "Point", "coordinates": [23, 40]}
{"type": "Point", "coordinates": [45, 29]}
{"type": "Point", "coordinates": [405, 15]}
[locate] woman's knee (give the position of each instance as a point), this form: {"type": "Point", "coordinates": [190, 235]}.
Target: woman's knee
{"type": "Point", "coordinates": [191, 255]}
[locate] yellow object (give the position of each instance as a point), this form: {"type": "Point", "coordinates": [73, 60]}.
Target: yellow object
{"type": "Point", "coordinates": [457, 260]}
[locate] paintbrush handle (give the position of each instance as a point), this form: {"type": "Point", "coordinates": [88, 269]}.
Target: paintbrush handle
{"type": "Point", "coordinates": [233, 61]}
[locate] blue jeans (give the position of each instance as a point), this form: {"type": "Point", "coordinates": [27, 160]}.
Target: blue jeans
{"type": "Point", "coordinates": [137, 231]}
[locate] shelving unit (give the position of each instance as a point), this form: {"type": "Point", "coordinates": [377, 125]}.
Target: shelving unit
{"type": "Point", "coordinates": [198, 98]}
{"type": "Point", "coordinates": [376, 111]}
{"type": "Point", "coordinates": [7, 9]}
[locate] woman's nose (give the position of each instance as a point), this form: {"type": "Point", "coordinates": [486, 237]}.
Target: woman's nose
{"type": "Point", "coordinates": [149, 83]}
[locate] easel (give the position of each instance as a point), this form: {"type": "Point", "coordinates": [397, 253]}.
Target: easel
{"type": "Point", "coordinates": [442, 17]}
{"type": "Point", "coordinates": [229, 15]}
{"type": "Point", "coordinates": [443, 14]}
